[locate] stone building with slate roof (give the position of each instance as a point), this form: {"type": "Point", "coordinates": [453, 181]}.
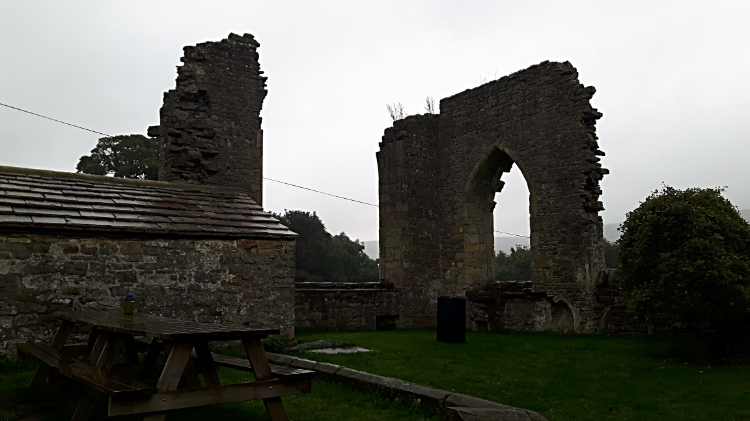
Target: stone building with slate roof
{"type": "Point", "coordinates": [197, 246]}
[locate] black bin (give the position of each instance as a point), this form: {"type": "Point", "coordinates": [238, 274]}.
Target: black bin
{"type": "Point", "coordinates": [451, 319]}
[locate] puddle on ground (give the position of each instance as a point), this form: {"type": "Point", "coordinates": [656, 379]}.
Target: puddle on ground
{"type": "Point", "coordinates": [329, 346]}
{"type": "Point", "coordinates": [342, 350]}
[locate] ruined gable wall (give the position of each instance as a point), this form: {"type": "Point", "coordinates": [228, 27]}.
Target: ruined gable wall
{"type": "Point", "coordinates": [409, 204]}
{"type": "Point", "coordinates": [541, 117]}
{"type": "Point", "coordinates": [210, 130]}
{"type": "Point", "coordinates": [231, 282]}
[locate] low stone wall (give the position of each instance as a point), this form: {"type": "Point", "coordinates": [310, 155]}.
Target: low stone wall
{"type": "Point", "coordinates": [515, 305]}
{"type": "Point", "coordinates": [234, 282]}
{"type": "Point", "coordinates": [344, 305]}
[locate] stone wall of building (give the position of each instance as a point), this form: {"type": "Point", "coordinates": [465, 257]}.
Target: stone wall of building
{"type": "Point", "coordinates": [408, 191]}
{"type": "Point", "coordinates": [234, 282]}
{"type": "Point", "coordinates": [439, 175]}
{"type": "Point", "coordinates": [210, 128]}
{"type": "Point", "coordinates": [514, 305]}
{"type": "Point", "coordinates": [341, 305]}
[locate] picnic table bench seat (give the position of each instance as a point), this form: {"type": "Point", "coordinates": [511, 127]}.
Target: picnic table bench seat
{"type": "Point", "coordinates": [282, 372]}
{"type": "Point", "coordinates": [66, 365]}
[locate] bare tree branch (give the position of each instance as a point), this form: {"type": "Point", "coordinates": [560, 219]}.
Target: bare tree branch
{"type": "Point", "coordinates": [396, 111]}
{"type": "Point", "coordinates": [430, 105]}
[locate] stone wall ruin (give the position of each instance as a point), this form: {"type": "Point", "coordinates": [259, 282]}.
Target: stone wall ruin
{"type": "Point", "coordinates": [438, 177]}
{"type": "Point", "coordinates": [210, 129]}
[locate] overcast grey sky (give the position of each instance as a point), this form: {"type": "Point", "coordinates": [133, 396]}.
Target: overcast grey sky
{"type": "Point", "coordinates": [672, 80]}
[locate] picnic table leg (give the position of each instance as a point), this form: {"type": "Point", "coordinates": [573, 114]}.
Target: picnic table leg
{"type": "Point", "coordinates": [151, 356]}
{"type": "Point", "coordinates": [131, 353]}
{"type": "Point", "coordinates": [172, 373]}
{"type": "Point", "coordinates": [262, 370]}
{"type": "Point", "coordinates": [102, 356]}
{"type": "Point", "coordinates": [190, 377]}
{"type": "Point", "coordinates": [42, 373]}
{"type": "Point", "coordinates": [206, 364]}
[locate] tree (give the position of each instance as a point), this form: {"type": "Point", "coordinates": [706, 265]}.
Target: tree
{"type": "Point", "coordinates": [684, 260]}
{"type": "Point", "coordinates": [125, 156]}
{"type": "Point", "coordinates": [323, 257]}
{"type": "Point", "coordinates": [610, 253]}
{"type": "Point", "coordinates": [358, 266]}
{"type": "Point", "coordinates": [513, 266]}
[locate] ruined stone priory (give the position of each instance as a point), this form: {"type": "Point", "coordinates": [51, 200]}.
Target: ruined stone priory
{"type": "Point", "coordinates": [438, 176]}
{"type": "Point", "coordinates": [196, 245]}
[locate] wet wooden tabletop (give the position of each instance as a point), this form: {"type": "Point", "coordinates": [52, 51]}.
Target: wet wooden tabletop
{"type": "Point", "coordinates": [161, 327]}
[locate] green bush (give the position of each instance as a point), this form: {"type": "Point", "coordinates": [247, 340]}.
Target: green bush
{"type": "Point", "coordinates": [610, 253]}
{"type": "Point", "coordinates": [513, 266]}
{"type": "Point", "coordinates": [684, 260]}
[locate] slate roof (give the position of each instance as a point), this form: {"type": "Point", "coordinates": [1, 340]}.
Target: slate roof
{"type": "Point", "coordinates": [58, 202]}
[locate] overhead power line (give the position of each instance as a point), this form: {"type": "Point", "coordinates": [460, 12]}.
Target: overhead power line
{"type": "Point", "coordinates": [48, 118]}
{"type": "Point", "coordinates": [318, 191]}
{"type": "Point", "coordinates": [265, 178]}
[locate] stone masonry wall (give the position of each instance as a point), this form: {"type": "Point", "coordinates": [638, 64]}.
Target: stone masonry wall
{"type": "Point", "coordinates": [408, 228]}
{"type": "Point", "coordinates": [232, 282]}
{"type": "Point", "coordinates": [210, 130]}
{"type": "Point", "coordinates": [343, 305]}
{"type": "Point", "coordinates": [540, 119]}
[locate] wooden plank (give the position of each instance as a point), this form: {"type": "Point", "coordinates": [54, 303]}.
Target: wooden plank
{"type": "Point", "coordinates": [42, 373]}
{"type": "Point", "coordinates": [149, 361]}
{"type": "Point", "coordinates": [131, 350]}
{"type": "Point", "coordinates": [96, 350]}
{"type": "Point", "coordinates": [62, 334]}
{"type": "Point", "coordinates": [75, 350]}
{"type": "Point", "coordinates": [281, 371]}
{"type": "Point", "coordinates": [275, 409]}
{"type": "Point", "coordinates": [86, 405]}
{"type": "Point", "coordinates": [73, 368]}
{"type": "Point", "coordinates": [162, 327]}
{"type": "Point", "coordinates": [170, 377]}
{"type": "Point", "coordinates": [257, 356]}
{"type": "Point", "coordinates": [206, 365]}
{"type": "Point", "coordinates": [121, 404]}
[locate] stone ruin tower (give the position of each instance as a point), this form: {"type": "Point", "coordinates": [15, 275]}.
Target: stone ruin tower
{"type": "Point", "coordinates": [210, 131]}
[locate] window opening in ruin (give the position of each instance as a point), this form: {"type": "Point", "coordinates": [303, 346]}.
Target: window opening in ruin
{"type": "Point", "coordinates": [512, 259]}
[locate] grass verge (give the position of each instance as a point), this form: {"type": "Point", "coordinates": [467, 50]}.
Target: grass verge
{"type": "Point", "coordinates": [326, 402]}
{"type": "Point", "coordinates": [563, 377]}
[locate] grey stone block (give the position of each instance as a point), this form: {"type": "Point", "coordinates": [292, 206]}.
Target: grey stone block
{"type": "Point", "coordinates": [280, 358]}
{"type": "Point", "coordinates": [466, 401]}
{"type": "Point", "coordinates": [303, 363]}
{"type": "Point", "coordinates": [489, 414]}
{"type": "Point", "coordinates": [423, 396]}
{"type": "Point", "coordinates": [326, 371]}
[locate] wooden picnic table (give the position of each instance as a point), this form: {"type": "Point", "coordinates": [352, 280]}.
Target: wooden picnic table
{"type": "Point", "coordinates": [125, 382]}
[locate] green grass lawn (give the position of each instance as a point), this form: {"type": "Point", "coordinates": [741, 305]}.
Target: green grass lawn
{"type": "Point", "coordinates": [563, 377]}
{"type": "Point", "coordinates": [326, 402]}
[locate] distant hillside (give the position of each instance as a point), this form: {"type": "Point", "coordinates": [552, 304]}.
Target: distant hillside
{"type": "Point", "coordinates": [501, 243]}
